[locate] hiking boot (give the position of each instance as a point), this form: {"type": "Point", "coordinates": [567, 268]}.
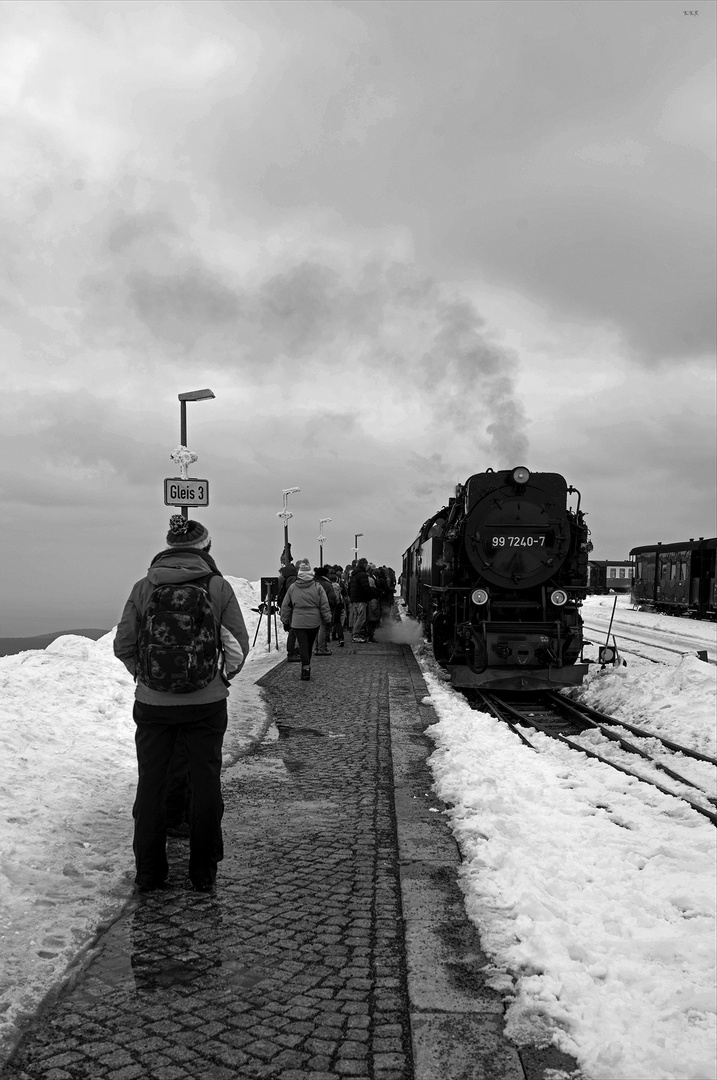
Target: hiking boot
{"type": "Point", "coordinates": [359, 640]}
{"type": "Point", "coordinates": [323, 652]}
{"type": "Point", "coordinates": [202, 883]}
{"type": "Point", "coordinates": [341, 643]}
{"type": "Point", "coordinates": [293, 658]}
{"type": "Point", "coordinates": [145, 885]}
{"type": "Point", "coordinates": [181, 831]}
{"type": "Point", "coordinates": [305, 673]}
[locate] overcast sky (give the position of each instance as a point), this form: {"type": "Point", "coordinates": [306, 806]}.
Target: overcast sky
{"type": "Point", "coordinates": [401, 241]}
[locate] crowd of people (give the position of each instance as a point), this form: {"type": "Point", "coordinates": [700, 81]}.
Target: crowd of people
{"type": "Point", "coordinates": [319, 606]}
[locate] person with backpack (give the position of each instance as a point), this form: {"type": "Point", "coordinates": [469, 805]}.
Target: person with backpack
{"type": "Point", "coordinates": [304, 609]}
{"type": "Point", "coordinates": [182, 637]}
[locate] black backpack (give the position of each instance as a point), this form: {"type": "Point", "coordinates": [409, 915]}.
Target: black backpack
{"type": "Point", "coordinates": [178, 642]}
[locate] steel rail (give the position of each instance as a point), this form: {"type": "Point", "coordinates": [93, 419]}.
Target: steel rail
{"type": "Point", "coordinates": [633, 749]}
{"type": "Point", "coordinates": [628, 772]}
{"type": "Point", "coordinates": [605, 719]}
{"type": "Point", "coordinates": [489, 704]}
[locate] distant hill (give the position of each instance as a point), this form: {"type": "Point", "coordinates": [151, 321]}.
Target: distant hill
{"type": "Point", "coordinates": [11, 645]}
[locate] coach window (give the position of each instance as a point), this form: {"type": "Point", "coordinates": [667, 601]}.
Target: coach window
{"type": "Point", "coordinates": [612, 572]}
{"type": "Point", "coordinates": [622, 571]}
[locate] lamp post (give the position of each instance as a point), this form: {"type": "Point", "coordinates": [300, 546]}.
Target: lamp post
{"type": "Point", "coordinates": [286, 514]}
{"type": "Point", "coordinates": [356, 536]}
{"type": "Point", "coordinates": [191, 395]}
{"type": "Point", "coordinates": [321, 539]}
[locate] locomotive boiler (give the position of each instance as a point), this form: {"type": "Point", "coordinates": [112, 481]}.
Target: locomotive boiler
{"type": "Point", "coordinates": [497, 578]}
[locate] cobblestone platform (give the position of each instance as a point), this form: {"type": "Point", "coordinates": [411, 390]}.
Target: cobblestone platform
{"type": "Point", "coordinates": [336, 944]}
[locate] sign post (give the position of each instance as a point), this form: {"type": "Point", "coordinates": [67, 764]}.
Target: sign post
{"type": "Point", "coordinates": [182, 456]}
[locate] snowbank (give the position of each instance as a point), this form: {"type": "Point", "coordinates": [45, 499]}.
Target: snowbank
{"type": "Point", "coordinates": [67, 744]}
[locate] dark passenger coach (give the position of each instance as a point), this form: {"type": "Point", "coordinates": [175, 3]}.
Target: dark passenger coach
{"type": "Point", "coordinates": [678, 579]}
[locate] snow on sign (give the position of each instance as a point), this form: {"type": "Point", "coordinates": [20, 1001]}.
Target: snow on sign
{"type": "Point", "coordinates": [189, 492]}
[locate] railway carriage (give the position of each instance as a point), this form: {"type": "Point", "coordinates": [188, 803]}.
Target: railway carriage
{"type": "Point", "coordinates": [605, 576]}
{"type": "Point", "coordinates": [497, 578]}
{"type": "Point", "coordinates": [678, 578]}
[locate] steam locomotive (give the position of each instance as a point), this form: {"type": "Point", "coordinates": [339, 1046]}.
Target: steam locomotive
{"type": "Point", "coordinates": [497, 578]}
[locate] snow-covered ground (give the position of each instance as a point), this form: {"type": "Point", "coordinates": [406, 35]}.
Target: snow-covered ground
{"type": "Point", "coordinates": [594, 893]}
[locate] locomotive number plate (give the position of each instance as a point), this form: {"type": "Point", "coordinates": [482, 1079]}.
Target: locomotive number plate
{"type": "Point", "coordinates": [527, 540]}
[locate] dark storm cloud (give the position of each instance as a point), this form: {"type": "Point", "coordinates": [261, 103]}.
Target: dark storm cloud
{"type": "Point", "coordinates": [182, 307]}
{"type": "Point", "coordinates": [383, 318]}
{"type": "Point", "coordinates": [561, 150]}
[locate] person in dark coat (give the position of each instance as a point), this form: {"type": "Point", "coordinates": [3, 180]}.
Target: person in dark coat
{"type": "Point", "coordinates": [373, 606]}
{"type": "Point", "coordinates": [337, 631]}
{"type": "Point", "coordinates": [322, 577]}
{"type": "Point", "coordinates": [287, 575]}
{"type": "Point", "coordinates": [360, 592]}
{"type": "Point", "coordinates": [197, 719]}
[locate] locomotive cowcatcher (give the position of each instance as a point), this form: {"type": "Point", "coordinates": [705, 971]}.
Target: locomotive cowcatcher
{"type": "Point", "coordinates": [497, 578]}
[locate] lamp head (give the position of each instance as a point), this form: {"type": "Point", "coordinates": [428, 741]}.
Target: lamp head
{"type": "Point", "coordinates": [196, 395]}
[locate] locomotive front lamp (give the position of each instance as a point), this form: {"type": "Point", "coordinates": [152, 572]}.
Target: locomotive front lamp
{"type": "Point", "coordinates": [479, 597]}
{"type": "Point", "coordinates": [521, 475]}
{"type": "Point", "coordinates": [559, 597]}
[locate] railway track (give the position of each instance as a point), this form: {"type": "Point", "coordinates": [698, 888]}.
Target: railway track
{"type": "Point", "coordinates": [561, 719]}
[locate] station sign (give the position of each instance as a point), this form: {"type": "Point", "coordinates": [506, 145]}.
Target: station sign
{"type": "Point", "coordinates": [190, 492]}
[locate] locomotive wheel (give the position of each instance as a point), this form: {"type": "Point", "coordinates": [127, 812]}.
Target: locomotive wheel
{"type": "Point", "coordinates": [439, 638]}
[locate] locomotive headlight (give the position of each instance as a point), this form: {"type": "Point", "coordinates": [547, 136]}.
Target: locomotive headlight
{"type": "Point", "coordinates": [521, 475]}
{"type": "Point", "coordinates": [559, 597]}
{"type": "Point", "coordinates": [479, 597]}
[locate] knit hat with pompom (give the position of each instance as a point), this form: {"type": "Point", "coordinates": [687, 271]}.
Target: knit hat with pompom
{"type": "Point", "coordinates": [183, 532]}
{"type": "Point", "coordinates": [303, 566]}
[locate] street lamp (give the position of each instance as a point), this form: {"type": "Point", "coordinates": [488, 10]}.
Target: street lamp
{"type": "Point", "coordinates": [321, 539]}
{"type": "Point", "coordinates": [191, 395]}
{"type": "Point", "coordinates": [286, 514]}
{"type": "Point", "coordinates": [356, 536]}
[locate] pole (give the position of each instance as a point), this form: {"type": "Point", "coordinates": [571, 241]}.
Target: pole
{"type": "Point", "coordinates": [268, 616]}
{"type": "Point", "coordinates": [285, 514]}
{"type": "Point", "coordinates": [614, 605]}
{"type": "Point", "coordinates": [184, 510]}
{"type": "Point", "coordinates": [321, 539]}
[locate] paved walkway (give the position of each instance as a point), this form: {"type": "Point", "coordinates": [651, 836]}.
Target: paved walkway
{"type": "Point", "coordinates": [336, 944]}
